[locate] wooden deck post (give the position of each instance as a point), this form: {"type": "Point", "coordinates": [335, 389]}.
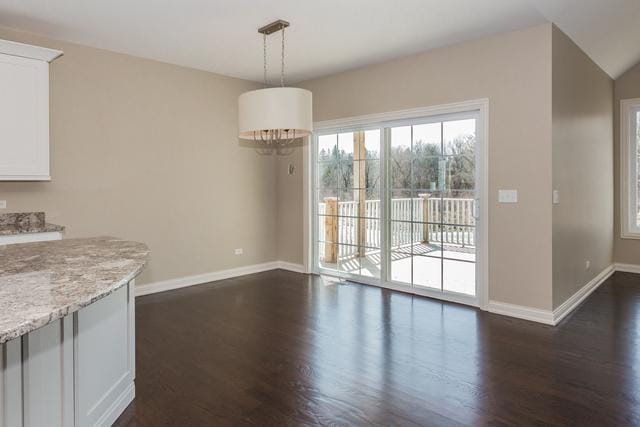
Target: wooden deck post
{"type": "Point", "coordinates": [359, 189]}
{"type": "Point", "coordinates": [331, 230]}
{"type": "Point", "coordinates": [426, 217]}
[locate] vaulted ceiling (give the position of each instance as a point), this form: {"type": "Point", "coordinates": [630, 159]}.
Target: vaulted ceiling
{"type": "Point", "coordinates": [607, 30]}
{"type": "Point", "coordinates": [326, 36]}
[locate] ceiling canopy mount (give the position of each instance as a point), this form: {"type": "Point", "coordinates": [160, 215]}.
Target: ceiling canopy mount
{"type": "Point", "coordinates": [274, 27]}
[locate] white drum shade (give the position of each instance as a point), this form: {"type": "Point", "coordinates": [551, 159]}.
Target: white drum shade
{"type": "Point", "coordinates": [278, 108]}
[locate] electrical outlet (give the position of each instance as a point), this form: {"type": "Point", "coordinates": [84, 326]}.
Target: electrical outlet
{"type": "Point", "coordinates": [508, 196]}
{"type": "Point", "coordinates": [587, 264]}
{"type": "Point", "coordinates": [238, 251]}
{"type": "Point", "coordinates": [3, 204]}
{"type": "Point", "coordinates": [556, 197]}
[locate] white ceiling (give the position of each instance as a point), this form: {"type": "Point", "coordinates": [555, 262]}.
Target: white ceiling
{"type": "Point", "coordinates": [607, 30]}
{"type": "Point", "coordinates": [326, 36]}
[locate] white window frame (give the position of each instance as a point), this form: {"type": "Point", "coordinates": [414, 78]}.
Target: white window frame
{"type": "Point", "coordinates": [393, 118]}
{"type": "Point", "coordinates": [628, 168]}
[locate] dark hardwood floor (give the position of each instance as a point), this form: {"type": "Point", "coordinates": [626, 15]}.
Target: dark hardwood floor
{"type": "Point", "coordinates": [282, 348]}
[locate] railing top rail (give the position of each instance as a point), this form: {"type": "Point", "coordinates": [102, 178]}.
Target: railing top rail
{"type": "Point", "coordinates": [408, 199]}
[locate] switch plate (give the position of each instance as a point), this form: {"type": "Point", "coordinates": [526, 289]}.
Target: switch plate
{"type": "Point", "coordinates": [3, 204]}
{"type": "Point", "coordinates": [508, 196]}
{"type": "Point", "coordinates": [556, 197]}
{"type": "Point", "coordinates": [238, 251]}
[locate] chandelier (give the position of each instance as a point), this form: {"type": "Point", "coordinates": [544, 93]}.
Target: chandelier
{"type": "Point", "coordinates": [275, 116]}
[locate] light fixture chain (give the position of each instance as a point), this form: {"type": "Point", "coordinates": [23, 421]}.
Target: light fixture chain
{"type": "Point", "coordinates": [264, 52]}
{"type": "Point", "coordinates": [282, 69]}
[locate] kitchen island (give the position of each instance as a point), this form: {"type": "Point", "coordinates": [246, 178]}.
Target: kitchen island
{"type": "Point", "coordinates": [67, 331]}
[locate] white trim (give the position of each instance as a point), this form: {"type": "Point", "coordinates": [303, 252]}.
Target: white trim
{"type": "Point", "coordinates": [199, 279]}
{"type": "Point", "coordinates": [627, 268]}
{"type": "Point", "coordinates": [521, 312]}
{"type": "Point", "coordinates": [482, 248]}
{"type": "Point", "coordinates": [554, 317]}
{"type": "Point", "coordinates": [393, 116]}
{"type": "Point", "coordinates": [576, 299]}
{"type": "Point", "coordinates": [547, 317]}
{"type": "Point", "coordinates": [29, 51]}
{"type": "Point", "coordinates": [118, 406]}
{"type": "Point", "coordinates": [183, 282]}
{"type": "Point", "coordinates": [307, 196]}
{"type": "Point", "coordinates": [30, 237]}
{"type": "Point", "coordinates": [627, 194]}
{"type": "Point", "coordinates": [26, 177]}
{"type": "Point", "coordinates": [290, 266]}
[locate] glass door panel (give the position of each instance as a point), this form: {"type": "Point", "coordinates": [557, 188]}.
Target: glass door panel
{"type": "Point", "coordinates": [431, 223]}
{"type": "Point", "coordinates": [398, 204]}
{"type": "Point", "coordinates": [348, 202]}
{"type": "Point", "coordinates": [459, 250]}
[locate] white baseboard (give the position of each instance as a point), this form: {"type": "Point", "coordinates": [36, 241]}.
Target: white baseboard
{"type": "Point", "coordinates": [576, 299]}
{"type": "Point", "coordinates": [521, 312]}
{"type": "Point", "coordinates": [627, 268]}
{"type": "Point", "coordinates": [183, 282]}
{"type": "Point", "coordinates": [549, 317]}
{"type": "Point", "coordinates": [289, 266]}
{"type": "Point", "coordinates": [118, 406]}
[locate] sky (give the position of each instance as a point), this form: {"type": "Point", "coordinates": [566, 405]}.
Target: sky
{"type": "Point", "coordinates": [401, 136]}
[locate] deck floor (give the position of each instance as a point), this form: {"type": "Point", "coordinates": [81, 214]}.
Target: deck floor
{"type": "Point", "coordinates": [423, 265]}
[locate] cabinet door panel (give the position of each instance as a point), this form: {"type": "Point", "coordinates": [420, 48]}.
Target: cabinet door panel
{"type": "Point", "coordinates": [11, 383]}
{"type": "Point", "coordinates": [104, 367]}
{"type": "Point", "coordinates": [24, 118]}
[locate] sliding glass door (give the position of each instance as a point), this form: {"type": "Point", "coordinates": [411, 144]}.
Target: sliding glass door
{"type": "Point", "coordinates": [396, 204]}
{"type": "Point", "coordinates": [348, 202]}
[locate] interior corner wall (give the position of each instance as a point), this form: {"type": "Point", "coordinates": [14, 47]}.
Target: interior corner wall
{"type": "Point", "coordinates": [290, 216]}
{"type": "Point", "coordinates": [627, 86]}
{"type": "Point", "coordinates": [582, 168]}
{"type": "Point", "coordinates": [148, 151]}
{"type": "Point", "coordinates": [512, 70]}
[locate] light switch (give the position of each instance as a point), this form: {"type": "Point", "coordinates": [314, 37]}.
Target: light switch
{"type": "Point", "coordinates": [508, 196]}
{"type": "Point", "coordinates": [556, 197]}
{"type": "Point", "coordinates": [3, 204]}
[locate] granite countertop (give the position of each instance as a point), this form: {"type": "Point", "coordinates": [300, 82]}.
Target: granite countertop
{"type": "Point", "coordinates": [24, 223]}
{"type": "Point", "coordinates": [44, 281]}
{"type": "Point", "coordinates": [46, 228]}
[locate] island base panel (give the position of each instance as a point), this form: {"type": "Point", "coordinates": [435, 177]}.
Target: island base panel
{"type": "Point", "coordinates": [75, 371]}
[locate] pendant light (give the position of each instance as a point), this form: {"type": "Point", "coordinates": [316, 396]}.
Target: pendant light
{"type": "Point", "coordinates": [275, 116]}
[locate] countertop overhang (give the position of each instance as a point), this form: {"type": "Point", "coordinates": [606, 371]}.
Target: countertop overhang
{"type": "Point", "coordinates": [45, 281]}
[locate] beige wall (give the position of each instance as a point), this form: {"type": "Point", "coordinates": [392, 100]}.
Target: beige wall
{"type": "Point", "coordinates": [627, 86]}
{"type": "Point", "coordinates": [290, 229]}
{"type": "Point", "coordinates": [582, 168]}
{"type": "Point", "coordinates": [513, 70]}
{"type": "Point", "coordinates": [185, 186]}
{"type": "Point", "coordinates": [148, 151]}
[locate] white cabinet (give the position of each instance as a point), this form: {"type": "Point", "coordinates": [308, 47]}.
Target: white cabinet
{"type": "Point", "coordinates": [77, 371]}
{"type": "Point", "coordinates": [30, 237]}
{"type": "Point", "coordinates": [24, 111]}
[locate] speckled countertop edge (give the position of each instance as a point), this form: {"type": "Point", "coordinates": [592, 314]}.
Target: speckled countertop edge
{"type": "Point", "coordinates": [37, 321]}
{"type": "Point", "coordinates": [33, 324]}
{"type": "Point", "coordinates": [48, 228]}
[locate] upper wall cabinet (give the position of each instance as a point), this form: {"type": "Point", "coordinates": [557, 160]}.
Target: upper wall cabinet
{"type": "Point", "coordinates": [24, 111]}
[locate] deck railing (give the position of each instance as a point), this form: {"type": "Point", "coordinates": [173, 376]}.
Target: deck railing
{"type": "Point", "coordinates": [413, 220]}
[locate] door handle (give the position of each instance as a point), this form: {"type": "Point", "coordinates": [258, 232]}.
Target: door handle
{"type": "Point", "coordinates": [476, 209]}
